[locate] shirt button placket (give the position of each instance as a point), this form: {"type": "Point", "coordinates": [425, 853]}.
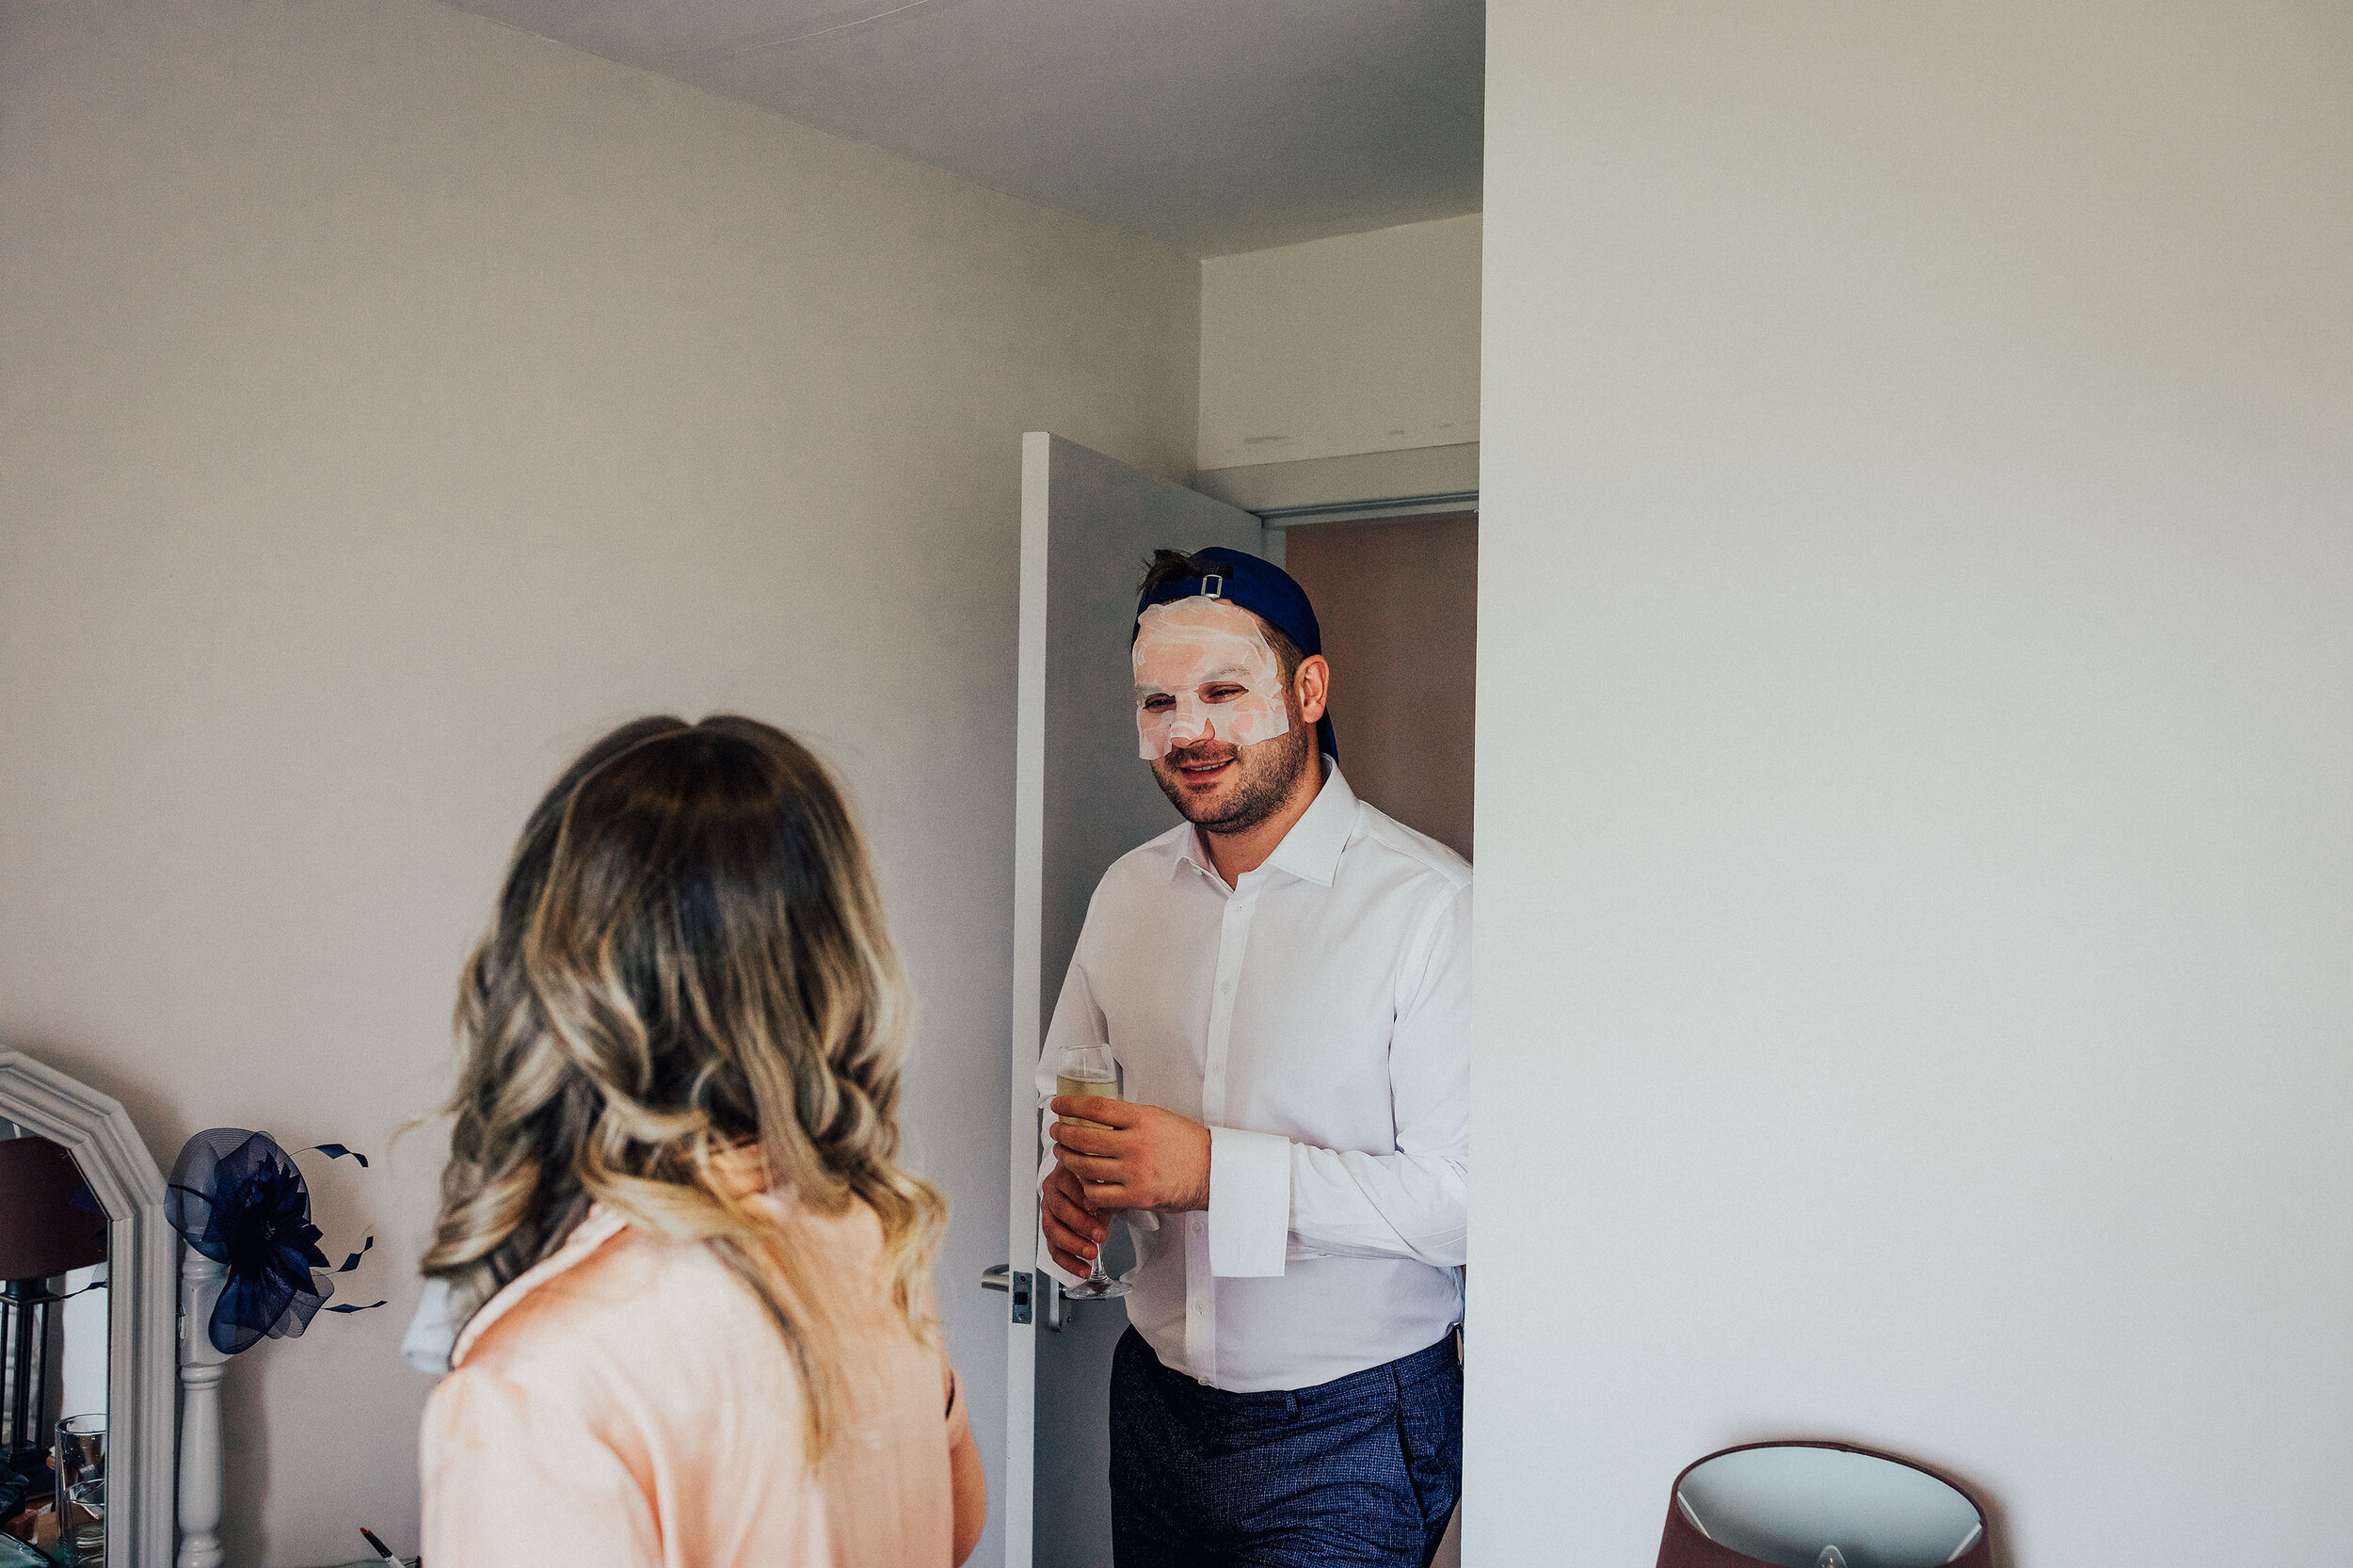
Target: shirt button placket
{"type": "Point", "coordinates": [1200, 1317]}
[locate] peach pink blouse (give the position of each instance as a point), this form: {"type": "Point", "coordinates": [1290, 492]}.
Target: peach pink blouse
{"type": "Point", "coordinates": [628, 1404]}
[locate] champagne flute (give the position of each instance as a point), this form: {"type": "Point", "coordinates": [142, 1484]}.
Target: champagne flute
{"type": "Point", "coordinates": [1089, 1070]}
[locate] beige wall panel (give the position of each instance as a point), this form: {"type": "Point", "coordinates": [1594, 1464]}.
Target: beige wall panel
{"type": "Point", "coordinates": [393, 401]}
{"type": "Point", "coordinates": [1915, 876]}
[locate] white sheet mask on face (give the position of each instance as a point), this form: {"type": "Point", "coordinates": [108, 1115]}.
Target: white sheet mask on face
{"type": "Point", "coordinates": [1192, 643]}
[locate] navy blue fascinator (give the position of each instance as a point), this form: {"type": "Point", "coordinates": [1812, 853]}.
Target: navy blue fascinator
{"type": "Point", "coordinates": [1264, 589]}
{"type": "Point", "coordinates": [241, 1201]}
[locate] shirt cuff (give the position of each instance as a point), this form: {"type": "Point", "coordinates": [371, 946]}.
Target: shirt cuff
{"type": "Point", "coordinates": [1250, 1203]}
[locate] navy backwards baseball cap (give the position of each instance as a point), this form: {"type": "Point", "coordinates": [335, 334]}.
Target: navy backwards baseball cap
{"type": "Point", "coordinates": [1264, 589]}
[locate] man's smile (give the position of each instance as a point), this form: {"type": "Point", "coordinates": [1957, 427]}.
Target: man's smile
{"type": "Point", "coordinates": [1196, 771]}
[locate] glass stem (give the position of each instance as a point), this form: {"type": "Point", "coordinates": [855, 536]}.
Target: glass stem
{"type": "Point", "coordinates": [1096, 1273]}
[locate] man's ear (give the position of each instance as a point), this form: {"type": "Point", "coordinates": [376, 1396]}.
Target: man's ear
{"type": "Point", "coordinates": [1312, 687]}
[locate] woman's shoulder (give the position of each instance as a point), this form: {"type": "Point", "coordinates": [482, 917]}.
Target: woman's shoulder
{"type": "Point", "coordinates": [615, 1301]}
{"type": "Point", "coordinates": [618, 1294]}
{"type": "Point", "coordinates": [638, 1381]}
{"type": "Point", "coordinates": [635, 1360]}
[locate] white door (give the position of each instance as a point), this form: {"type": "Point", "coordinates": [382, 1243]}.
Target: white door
{"type": "Point", "coordinates": [1081, 800]}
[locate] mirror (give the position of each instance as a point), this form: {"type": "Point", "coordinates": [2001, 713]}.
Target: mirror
{"type": "Point", "coordinates": [53, 1352]}
{"type": "Point", "coordinates": [86, 1286]}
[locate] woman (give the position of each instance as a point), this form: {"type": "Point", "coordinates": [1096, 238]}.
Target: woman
{"type": "Point", "coordinates": [692, 1278]}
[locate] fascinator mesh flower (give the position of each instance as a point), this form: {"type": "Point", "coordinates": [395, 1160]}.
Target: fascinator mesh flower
{"type": "Point", "coordinates": [240, 1200]}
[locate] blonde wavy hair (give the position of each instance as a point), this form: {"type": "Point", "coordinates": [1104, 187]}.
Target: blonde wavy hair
{"type": "Point", "coordinates": [689, 960]}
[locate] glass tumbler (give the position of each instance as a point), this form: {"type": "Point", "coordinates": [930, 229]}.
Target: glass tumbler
{"type": "Point", "coordinates": [81, 1460]}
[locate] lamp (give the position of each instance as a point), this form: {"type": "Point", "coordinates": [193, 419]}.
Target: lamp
{"type": "Point", "coordinates": [1818, 1504]}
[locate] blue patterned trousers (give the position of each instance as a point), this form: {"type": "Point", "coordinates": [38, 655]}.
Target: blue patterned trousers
{"type": "Point", "coordinates": [1362, 1470]}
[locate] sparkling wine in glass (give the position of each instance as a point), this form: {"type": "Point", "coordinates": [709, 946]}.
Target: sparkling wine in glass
{"type": "Point", "coordinates": [1089, 1070]}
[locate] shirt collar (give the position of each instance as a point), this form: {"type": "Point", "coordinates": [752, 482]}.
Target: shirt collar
{"type": "Point", "coordinates": [1311, 850]}
{"type": "Point", "coordinates": [600, 1225]}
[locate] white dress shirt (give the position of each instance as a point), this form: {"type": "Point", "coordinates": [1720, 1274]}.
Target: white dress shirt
{"type": "Point", "coordinates": [1315, 1017]}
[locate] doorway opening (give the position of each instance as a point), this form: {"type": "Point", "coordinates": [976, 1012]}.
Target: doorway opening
{"type": "Point", "coordinates": [1397, 598]}
{"type": "Point", "coordinates": [1395, 588]}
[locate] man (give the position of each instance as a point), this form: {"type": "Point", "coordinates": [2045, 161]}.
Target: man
{"type": "Point", "coordinates": [1285, 981]}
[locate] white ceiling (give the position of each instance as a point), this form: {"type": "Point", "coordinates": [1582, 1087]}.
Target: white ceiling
{"type": "Point", "coordinates": [1213, 126]}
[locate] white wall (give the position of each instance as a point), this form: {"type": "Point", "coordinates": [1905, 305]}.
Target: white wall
{"type": "Point", "coordinates": [82, 1361]}
{"type": "Point", "coordinates": [394, 401]}
{"type": "Point", "coordinates": [1915, 794]}
{"type": "Point", "coordinates": [1366, 343]}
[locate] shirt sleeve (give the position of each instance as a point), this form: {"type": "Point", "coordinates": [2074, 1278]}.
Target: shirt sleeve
{"type": "Point", "coordinates": [509, 1478]}
{"type": "Point", "coordinates": [1413, 1203]}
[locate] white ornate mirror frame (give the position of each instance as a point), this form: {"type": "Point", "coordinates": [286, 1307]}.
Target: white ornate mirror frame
{"type": "Point", "coordinates": [141, 1284]}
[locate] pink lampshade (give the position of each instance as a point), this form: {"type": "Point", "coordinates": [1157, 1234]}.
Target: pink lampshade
{"type": "Point", "coordinates": [42, 1232]}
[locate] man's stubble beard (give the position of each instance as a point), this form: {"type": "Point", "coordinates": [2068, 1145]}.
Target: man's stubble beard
{"type": "Point", "coordinates": [1270, 770]}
